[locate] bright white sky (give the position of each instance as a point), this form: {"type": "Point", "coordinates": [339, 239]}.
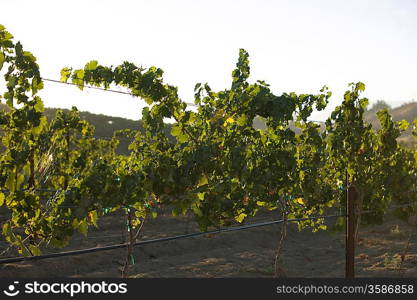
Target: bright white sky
{"type": "Point", "coordinates": [294, 45]}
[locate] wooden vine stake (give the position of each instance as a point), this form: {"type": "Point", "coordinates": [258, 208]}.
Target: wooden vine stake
{"type": "Point", "coordinates": [350, 230]}
{"type": "Point", "coordinates": [130, 242]}
{"type": "Point", "coordinates": [32, 236]}
{"type": "Point", "coordinates": [279, 270]}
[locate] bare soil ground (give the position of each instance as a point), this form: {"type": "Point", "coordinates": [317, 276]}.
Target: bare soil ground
{"type": "Point", "coordinates": [387, 250]}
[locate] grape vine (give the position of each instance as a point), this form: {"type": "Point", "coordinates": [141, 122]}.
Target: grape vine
{"type": "Point", "coordinates": [218, 167]}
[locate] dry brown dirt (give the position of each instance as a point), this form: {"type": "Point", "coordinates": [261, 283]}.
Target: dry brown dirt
{"type": "Point", "coordinates": [387, 250]}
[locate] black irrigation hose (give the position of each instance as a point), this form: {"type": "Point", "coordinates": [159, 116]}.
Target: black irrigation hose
{"type": "Point", "coordinates": [153, 241]}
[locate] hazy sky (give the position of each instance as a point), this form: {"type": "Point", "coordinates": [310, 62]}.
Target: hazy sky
{"type": "Point", "coordinates": [297, 45]}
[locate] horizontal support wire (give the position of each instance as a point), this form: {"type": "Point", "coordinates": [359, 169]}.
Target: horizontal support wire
{"type": "Point", "coordinates": [159, 240]}
{"type": "Point", "coordinates": [99, 88]}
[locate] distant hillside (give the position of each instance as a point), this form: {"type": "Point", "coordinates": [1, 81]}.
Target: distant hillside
{"type": "Point", "coordinates": [258, 123]}
{"type": "Point", "coordinates": [406, 112]}
{"type": "Point", "coordinates": [104, 125]}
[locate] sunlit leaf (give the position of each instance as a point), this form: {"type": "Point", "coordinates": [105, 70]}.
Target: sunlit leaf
{"type": "Point", "coordinates": [241, 217]}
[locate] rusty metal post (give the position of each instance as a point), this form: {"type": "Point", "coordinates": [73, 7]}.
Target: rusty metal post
{"type": "Point", "coordinates": [350, 230]}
